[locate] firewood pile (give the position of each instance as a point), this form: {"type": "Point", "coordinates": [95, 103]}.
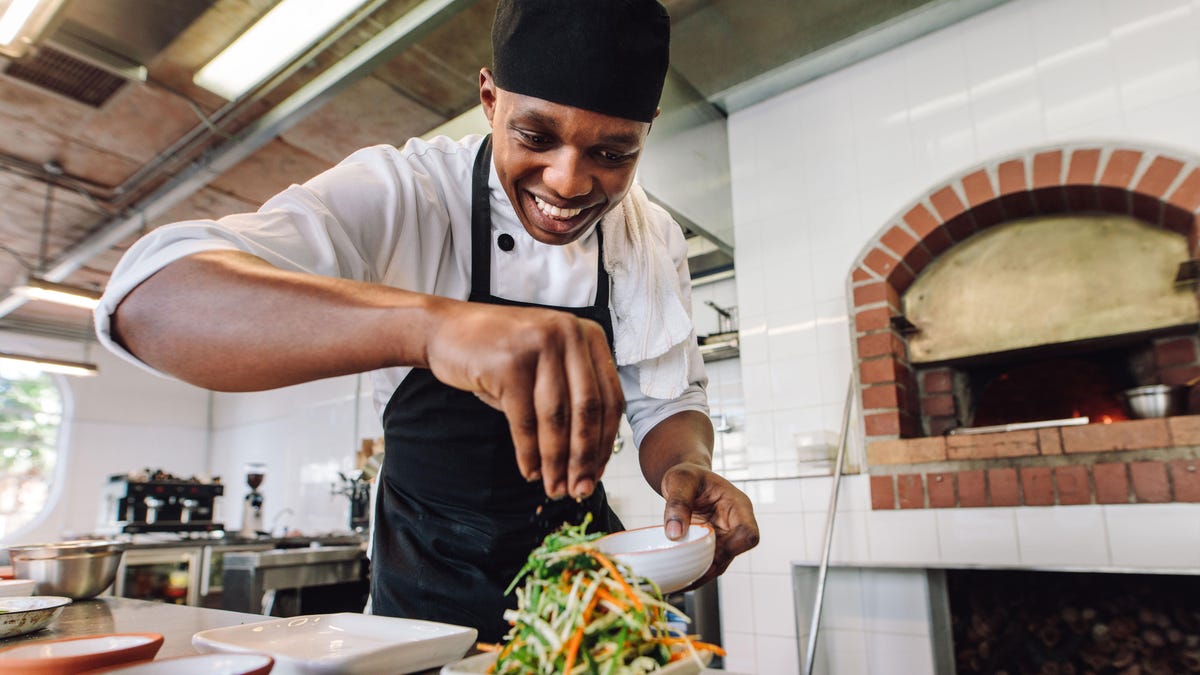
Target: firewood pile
{"type": "Point", "coordinates": [1042, 623]}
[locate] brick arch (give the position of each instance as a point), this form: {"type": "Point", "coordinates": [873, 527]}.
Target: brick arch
{"type": "Point", "coordinates": [1159, 188]}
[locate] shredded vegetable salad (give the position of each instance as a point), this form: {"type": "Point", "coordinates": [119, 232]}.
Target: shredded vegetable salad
{"type": "Point", "coordinates": [579, 612]}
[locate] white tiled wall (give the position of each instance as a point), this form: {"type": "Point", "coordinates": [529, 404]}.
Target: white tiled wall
{"type": "Point", "coordinates": [819, 170]}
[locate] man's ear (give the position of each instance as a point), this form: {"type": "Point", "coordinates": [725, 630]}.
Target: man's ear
{"type": "Point", "coordinates": [487, 92]}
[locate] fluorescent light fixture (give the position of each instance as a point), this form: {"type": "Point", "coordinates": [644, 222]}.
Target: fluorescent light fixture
{"type": "Point", "coordinates": [63, 294]}
{"type": "Point", "coordinates": [271, 43]}
{"type": "Point", "coordinates": [22, 22]}
{"type": "Point", "coordinates": [75, 368]}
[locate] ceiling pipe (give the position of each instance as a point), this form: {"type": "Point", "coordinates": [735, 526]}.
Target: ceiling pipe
{"type": "Point", "coordinates": [393, 39]}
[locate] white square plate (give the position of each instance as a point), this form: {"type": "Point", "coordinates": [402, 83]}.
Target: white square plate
{"type": "Point", "coordinates": [343, 643]}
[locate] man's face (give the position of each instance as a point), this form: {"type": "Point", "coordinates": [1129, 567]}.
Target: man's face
{"type": "Point", "coordinates": [561, 167]}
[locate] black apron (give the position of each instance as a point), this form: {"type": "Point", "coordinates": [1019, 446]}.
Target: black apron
{"type": "Point", "coordinates": [455, 520]}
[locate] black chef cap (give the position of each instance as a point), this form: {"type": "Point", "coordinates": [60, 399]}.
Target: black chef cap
{"type": "Point", "coordinates": [607, 56]}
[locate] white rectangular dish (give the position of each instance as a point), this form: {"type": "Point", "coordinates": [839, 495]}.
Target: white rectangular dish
{"type": "Point", "coordinates": [322, 644]}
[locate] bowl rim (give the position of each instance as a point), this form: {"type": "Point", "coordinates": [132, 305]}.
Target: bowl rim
{"type": "Point", "coordinates": [153, 643]}
{"type": "Point", "coordinates": [677, 544]}
{"type": "Point", "coordinates": [50, 550]}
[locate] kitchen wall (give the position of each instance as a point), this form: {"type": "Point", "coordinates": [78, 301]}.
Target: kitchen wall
{"type": "Point", "coordinates": [817, 172]}
{"type": "Point", "coordinates": [121, 420]}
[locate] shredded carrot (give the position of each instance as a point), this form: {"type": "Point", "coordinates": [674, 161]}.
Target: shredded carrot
{"type": "Point", "coordinates": [572, 649]}
{"type": "Point", "coordinates": [605, 595]}
{"type": "Point", "coordinates": [603, 560]}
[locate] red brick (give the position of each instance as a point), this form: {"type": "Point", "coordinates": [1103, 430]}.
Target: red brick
{"type": "Point", "coordinates": [921, 221]}
{"type": "Point", "coordinates": [1002, 487]}
{"type": "Point", "coordinates": [1150, 482]}
{"type": "Point", "coordinates": [1146, 208]}
{"type": "Point", "coordinates": [1187, 195]}
{"type": "Point", "coordinates": [947, 204]}
{"type": "Point", "coordinates": [1012, 177]}
{"type": "Point", "coordinates": [898, 240]}
{"type": "Point", "coordinates": [972, 489]}
{"type": "Point", "coordinates": [1050, 441]}
{"type": "Point", "coordinates": [906, 451]}
{"type": "Point", "coordinates": [961, 227]}
{"type": "Point", "coordinates": [901, 277]}
{"type": "Point", "coordinates": [1178, 375]}
{"type": "Point", "coordinates": [883, 424]}
{"type": "Point", "coordinates": [877, 318]}
{"type": "Point", "coordinates": [940, 487]}
{"type": "Point", "coordinates": [879, 371]}
{"type": "Point", "coordinates": [881, 396]}
{"type": "Point", "coordinates": [940, 425]}
{"type": "Point", "coordinates": [883, 493]}
{"type": "Point", "coordinates": [1122, 164]}
{"type": "Point", "coordinates": [1037, 487]}
{"type": "Point", "coordinates": [1179, 221]}
{"type": "Point", "coordinates": [881, 262]}
{"type": "Point", "coordinates": [1082, 197]}
{"type": "Point", "coordinates": [861, 274]}
{"type": "Point", "coordinates": [938, 405]}
{"type": "Point", "coordinates": [1115, 200]}
{"type": "Point", "coordinates": [1047, 169]}
{"type": "Point", "coordinates": [1128, 435]}
{"type": "Point", "coordinates": [871, 294]}
{"type": "Point", "coordinates": [883, 343]}
{"type": "Point", "coordinates": [1112, 483]}
{"type": "Point", "coordinates": [1185, 430]}
{"type": "Point", "coordinates": [937, 381]}
{"type": "Point", "coordinates": [977, 187]}
{"type": "Point", "coordinates": [1082, 169]}
{"type": "Point", "coordinates": [910, 492]}
{"type": "Point", "coordinates": [1175, 352]}
{"type": "Point", "coordinates": [1159, 176]}
{"type": "Point", "coordinates": [1072, 484]}
{"type": "Point", "coordinates": [992, 446]}
{"type": "Point", "coordinates": [1185, 476]}
{"type": "Point", "coordinates": [1049, 200]}
{"type": "Point", "coordinates": [917, 258]}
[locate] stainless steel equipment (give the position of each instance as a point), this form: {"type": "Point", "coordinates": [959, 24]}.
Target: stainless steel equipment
{"type": "Point", "coordinates": [168, 574]}
{"type": "Point", "coordinates": [1156, 400]}
{"type": "Point", "coordinates": [133, 505]}
{"type": "Point", "coordinates": [253, 580]}
{"type": "Point", "coordinates": [78, 569]}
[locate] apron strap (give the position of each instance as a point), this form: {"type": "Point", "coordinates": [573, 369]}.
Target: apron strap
{"type": "Point", "coordinates": [481, 221]}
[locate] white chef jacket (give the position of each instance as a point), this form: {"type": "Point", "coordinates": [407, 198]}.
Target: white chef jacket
{"type": "Point", "coordinates": [403, 218]}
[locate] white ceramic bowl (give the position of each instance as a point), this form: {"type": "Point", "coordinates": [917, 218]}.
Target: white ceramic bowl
{"type": "Point", "coordinates": [670, 564]}
{"type": "Point", "coordinates": [19, 616]}
{"type": "Point", "coordinates": [16, 587]}
{"type": "Point", "coordinates": [200, 664]}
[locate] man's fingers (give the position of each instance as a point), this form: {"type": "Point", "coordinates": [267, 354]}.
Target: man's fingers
{"type": "Point", "coordinates": [680, 488]}
{"type": "Point", "coordinates": [587, 415]}
{"type": "Point", "coordinates": [552, 396]}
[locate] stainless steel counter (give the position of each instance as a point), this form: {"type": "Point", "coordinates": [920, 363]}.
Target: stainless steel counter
{"type": "Point", "coordinates": [176, 623]}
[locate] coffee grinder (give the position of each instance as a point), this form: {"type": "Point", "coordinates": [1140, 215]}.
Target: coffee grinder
{"type": "Point", "coordinates": [252, 514]}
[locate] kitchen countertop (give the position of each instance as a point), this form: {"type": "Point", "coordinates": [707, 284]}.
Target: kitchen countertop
{"type": "Point", "coordinates": [176, 623]}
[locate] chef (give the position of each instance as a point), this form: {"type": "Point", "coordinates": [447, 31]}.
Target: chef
{"type": "Point", "coordinates": [512, 296]}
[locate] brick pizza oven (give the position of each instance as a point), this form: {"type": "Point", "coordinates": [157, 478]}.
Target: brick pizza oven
{"type": "Point", "coordinates": [1031, 292]}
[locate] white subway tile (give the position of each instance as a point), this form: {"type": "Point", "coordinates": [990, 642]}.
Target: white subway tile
{"type": "Point", "coordinates": [1067, 535]}
{"type": "Point", "coordinates": [896, 601]}
{"type": "Point", "coordinates": [892, 653]}
{"type": "Point", "coordinates": [774, 605]}
{"type": "Point", "coordinates": [978, 536]}
{"type": "Point", "coordinates": [905, 536]}
{"type": "Point", "coordinates": [1154, 535]}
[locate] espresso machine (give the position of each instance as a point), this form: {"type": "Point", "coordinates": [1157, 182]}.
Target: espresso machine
{"type": "Point", "coordinates": [252, 504]}
{"type": "Point", "coordinates": [157, 501]}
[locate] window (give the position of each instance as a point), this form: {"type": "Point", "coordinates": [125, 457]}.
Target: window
{"type": "Point", "coordinates": [31, 413]}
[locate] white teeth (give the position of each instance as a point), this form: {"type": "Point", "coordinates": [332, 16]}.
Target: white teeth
{"type": "Point", "coordinates": [554, 211]}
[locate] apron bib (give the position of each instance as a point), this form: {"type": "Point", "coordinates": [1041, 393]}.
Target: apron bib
{"type": "Point", "coordinates": [455, 518]}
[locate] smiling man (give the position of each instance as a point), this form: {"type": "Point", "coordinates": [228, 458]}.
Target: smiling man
{"type": "Point", "coordinates": [512, 295]}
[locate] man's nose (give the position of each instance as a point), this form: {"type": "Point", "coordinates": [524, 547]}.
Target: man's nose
{"type": "Point", "coordinates": [566, 175]}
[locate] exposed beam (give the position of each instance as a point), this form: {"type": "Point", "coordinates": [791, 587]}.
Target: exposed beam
{"type": "Point", "coordinates": [392, 40]}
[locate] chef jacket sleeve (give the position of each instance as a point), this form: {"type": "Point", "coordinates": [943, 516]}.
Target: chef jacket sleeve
{"type": "Point", "coordinates": [347, 222]}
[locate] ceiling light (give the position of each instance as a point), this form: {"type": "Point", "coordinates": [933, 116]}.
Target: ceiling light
{"type": "Point", "coordinates": [76, 368]}
{"type": "Point", "coordinates": [22, 22]}
{"type": "Point", "coordinates": [63, 294]}
{"type": "Point", "coordinates": [270, 44]}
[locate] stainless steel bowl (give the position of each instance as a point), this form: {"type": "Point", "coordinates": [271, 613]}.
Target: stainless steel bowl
{"type": "Point", "coordinates": [78, 569]}
{"type": "Point", "coordinates": [1156, 400]}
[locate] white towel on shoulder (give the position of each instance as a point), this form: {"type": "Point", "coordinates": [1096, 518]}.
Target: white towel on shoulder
{"type": "Point", "coordinates": [652, 323]}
